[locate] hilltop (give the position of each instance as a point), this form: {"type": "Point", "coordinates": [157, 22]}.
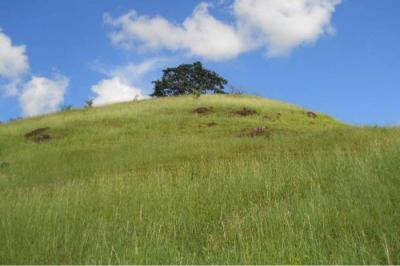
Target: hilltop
{"type": "Point", "coordinates": [220, 179]}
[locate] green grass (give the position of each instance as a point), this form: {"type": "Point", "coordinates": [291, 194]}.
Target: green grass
{"type": "Point", "coordinates": [150, 183]}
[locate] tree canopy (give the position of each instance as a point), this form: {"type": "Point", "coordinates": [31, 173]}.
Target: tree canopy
{"type": "Point", "coordinates": [188, 79]}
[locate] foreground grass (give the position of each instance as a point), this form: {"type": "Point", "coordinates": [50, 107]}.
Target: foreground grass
{"type": "Point", "coordinates": [149, 182]}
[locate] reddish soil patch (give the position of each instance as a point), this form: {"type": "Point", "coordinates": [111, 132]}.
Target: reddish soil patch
{"type": "Point", "coordinates": [115, 125]}
{"type": "Point", "coordinates": [205, 125]}
{"type": "Point", "coordinates": [273, 116]}
{"type": "Point", "coordinates": [258, 131]}
{"type": "Point", "coordinates": [212, 124]}
{"type": "Point", "coordinates": [36, 132]}
{"type": "Point", "coordinates": [255, 132]}
{"type": "Point", "coordinates": [245, 112]}
{"type": "Point", "coordinates": [38, 135]}
{"type": "Point", "coordinates": [312, 115]}
{"type": "Point", "coordinates": [203, 110]}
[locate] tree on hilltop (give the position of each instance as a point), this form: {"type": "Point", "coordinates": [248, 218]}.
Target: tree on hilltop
{"type": "Point", "coordinates": [188, 79]}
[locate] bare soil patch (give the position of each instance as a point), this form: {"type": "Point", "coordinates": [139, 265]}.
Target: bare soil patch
{"type": "Point", "coordinates": [39, 135]}
{"type": "Point", "coordinates": [203, 110]}
{"type": "Point", "coordinates": [312, 115]}
{"type": "Point", "coordinates": [273, 116]}
{"type": "Point", "coordinates": [206, 125]}
{"type": "Point", "coordinates": [245, 112]}
{"type": "Point", "coordinates": [212, 124]}
{"type": "Point", "coordinates": [254, 132]}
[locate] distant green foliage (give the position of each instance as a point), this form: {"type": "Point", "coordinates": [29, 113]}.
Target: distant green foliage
{"type": "Point", "coordinates": [196, 94]}
{"type": "Point", "coordinates": [188, 79]}
{"type": "Point", "coordinates": [15, 119]}
{"type": "Point", "coordinates": [66, 108]}
{"type": "Point", "coordinates": [236, 90]}
{"type": "Point", "coordinates": [89, 103]}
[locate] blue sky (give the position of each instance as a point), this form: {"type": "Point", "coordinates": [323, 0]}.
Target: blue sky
{"type": "Point", "coordinates": [338, 57]}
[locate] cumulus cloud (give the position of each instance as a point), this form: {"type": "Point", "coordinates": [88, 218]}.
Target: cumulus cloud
{"type": "Point", "coordinates": [42, 95]}
{"type": "Point", "coordinates": [282, 25]}
{"type": "Point", "coordinates": [201, 34]}
{"type": "Point", "coordinates": [277, 25]}
{"type": "Point", "coordinates": [114, 90]}
{"type": "Point", "coordinates": [124, 83]}
{"type": "Point", "coordinates": [131, 73]}
{"type": "Point", "coordinates": [36, 96]}
{"type": "Point", "coordinates": [13, 64]}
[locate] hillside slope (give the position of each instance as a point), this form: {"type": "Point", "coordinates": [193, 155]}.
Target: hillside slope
{"type": "Point", "coordinates": [172, 180]}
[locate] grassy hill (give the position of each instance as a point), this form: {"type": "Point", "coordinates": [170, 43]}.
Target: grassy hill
{"type": "Point", "coordinates": [247, 181]}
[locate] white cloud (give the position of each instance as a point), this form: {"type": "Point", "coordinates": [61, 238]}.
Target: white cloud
{"type": "Point", "coordinates": [125, 83]}
{"type": "Point", "coordinates": [13, 64]}
{"type": "Point", "coordinates": [114, 90]}
{"type": "Point", "coordinates": [37, 96]}
{"type": "Point", "coordinates": [42, 95]}
{"type": "Point", "coordinates": [132, 73]}
{"type": "Point", "coordinates": [277, 25]}
{"type": "Point", "coordinates": [282, 25]}
{"type": "Point", "coordinates": [200, 34]}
